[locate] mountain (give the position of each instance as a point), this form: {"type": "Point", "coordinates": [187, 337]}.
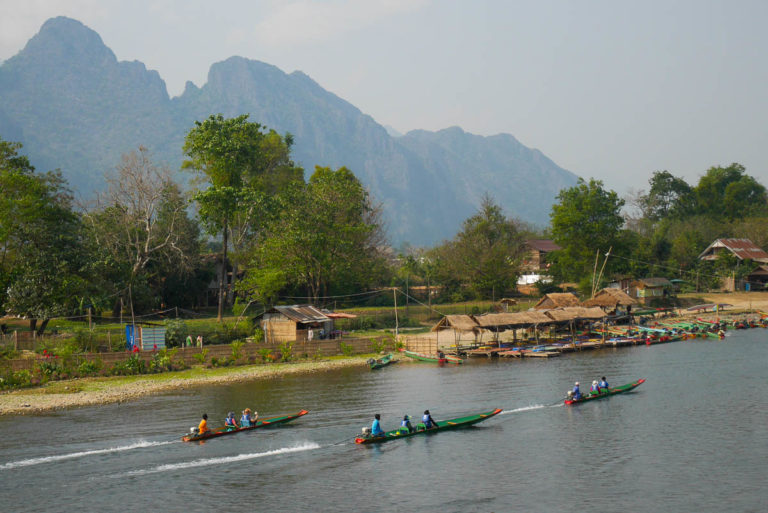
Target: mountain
{"type": "Point", "coordinates": [74, 106]}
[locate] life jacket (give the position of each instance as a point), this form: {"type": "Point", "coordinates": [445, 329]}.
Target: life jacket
{"type": "Point", "coordinates": [595, 388]}
{"type": "Point", "coordinates": [405, 423]}
{"type": "Point", "coordinates": [245, 421]}
{"type": "Point", "coordinates": [603, 384]}
{"type": "Point", "coordinates": [229, 422]}
{"type": "Point", "coordinates": [427, 420]}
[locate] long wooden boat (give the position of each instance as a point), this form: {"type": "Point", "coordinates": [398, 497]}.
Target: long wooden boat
{"type": "Point", "coordinates": [441, 425]}
{"type": "Point", "coordinates": [433, 358]}
{"type": "Point", "coordinates": [611, 391]}
{"type": "Point", "coordinates": [265, 422]}
{"type": "Point", "coordinates": [378, 363]}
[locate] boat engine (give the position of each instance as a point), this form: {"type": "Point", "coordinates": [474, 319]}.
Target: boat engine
{"type": "Point", "coordinates": [366, 432]}
{"type": "Point", "coordinates": [569, 394]}
{"type": "Point", "coordinates": [193, 430]}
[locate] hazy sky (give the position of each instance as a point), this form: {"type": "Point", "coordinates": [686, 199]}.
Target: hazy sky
{"type": "Point", "coordinates": [608, 89]}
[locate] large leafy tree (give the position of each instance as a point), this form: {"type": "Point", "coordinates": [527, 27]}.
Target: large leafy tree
{"type": "Point", "coordinates": [486, 253]}
{"type": "Point", "coordinates": [585, 220]}
{"type": "Point", "coordinates": [668, 196]}
{"type": "Point", "coordinates": [729, 193]}
{"type": "Point", "coordinates": [241, 166]}
{"type": "Point", "coordinates": [41, 250]}
{"type": "Point", "coordinates": [325, 236]}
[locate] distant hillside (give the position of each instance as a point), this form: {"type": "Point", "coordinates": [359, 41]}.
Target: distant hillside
{"type": "Point", "coordinates": [75, 107]}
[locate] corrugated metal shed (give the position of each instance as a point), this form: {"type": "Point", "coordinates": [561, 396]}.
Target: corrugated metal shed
{"type": "Point", "coordinates": [743, 249]}
{"type": "Point", "coordinates": [300, 313]}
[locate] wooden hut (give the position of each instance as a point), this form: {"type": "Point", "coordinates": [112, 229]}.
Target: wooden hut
{"type": "Point", "coordinates": [295, 323]}
{"type": "Point", "coordinates": [609, 299]}
{"type": "Point", "coordinates": [557, 300]}
{"type": "Point", "coordinates": [646, 289]}
{"type": "Point", "coordinates": [459, 324]}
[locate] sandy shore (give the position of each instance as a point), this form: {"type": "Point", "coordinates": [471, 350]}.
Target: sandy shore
{"type": "Point", "coordinates": [92, 391]}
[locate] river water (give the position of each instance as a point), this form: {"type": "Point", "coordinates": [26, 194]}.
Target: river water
{"type": "Point", "coordinates": [693, 438]}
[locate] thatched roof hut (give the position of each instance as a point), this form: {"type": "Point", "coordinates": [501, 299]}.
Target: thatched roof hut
{"type": "Point", "coordinates": [610, 298]}
{"type": "Point", "coordinates": [458, 323]}
{"type": "Point", "coordinates": [557, 300]}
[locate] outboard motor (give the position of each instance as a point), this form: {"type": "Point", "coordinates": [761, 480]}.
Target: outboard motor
{"type": "Point", "coordinates": [193, 430]}
{"type": "Point", "coordinates": [569, 394]}
{"type": "Point", "coordinates": [366, 432]}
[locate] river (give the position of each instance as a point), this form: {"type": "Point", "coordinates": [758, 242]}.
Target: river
{"type": "Point", "coordinates": [693, 438]}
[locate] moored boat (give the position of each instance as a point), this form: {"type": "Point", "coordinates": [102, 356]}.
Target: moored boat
{"type": "Point", "coordinates": [265, 422]}
{"type": "Point", "coordinates": [378, 363]}
{"type": "Point", "coordinates": [611, 391]}
{"type": "Point", "coordinates": [433, 358]}
{"type": "Point", "coordinates": [441, 425]}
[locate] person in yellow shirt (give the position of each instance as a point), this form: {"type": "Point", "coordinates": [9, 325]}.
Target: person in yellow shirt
{"type": "Point", "coordinates": [203, 427]}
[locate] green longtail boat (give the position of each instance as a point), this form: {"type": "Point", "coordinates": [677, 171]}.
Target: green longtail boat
{"type": "Point", "coordinates": [378, 363]}
{"type": "Point", "coordinates": [265, 422]}
{"type": "Point", "coordinates": [433, 358]}
{"type": "Point", "coordinates": [440, 425]}
{"type": "Point", "coordinates": [611, 391]}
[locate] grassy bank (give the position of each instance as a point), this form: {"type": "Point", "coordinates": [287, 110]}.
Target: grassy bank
{"type": "Point", "coordinates": [94, 391]}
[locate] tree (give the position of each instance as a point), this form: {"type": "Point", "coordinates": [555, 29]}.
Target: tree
{"type": "Point", "coordinates": [586, 220]}
{"type": "Point", "coordinates": [668, 196]}
{"type": "Point", "coordinates": [727, 192]}
{"type": "Point", "coordinates": [141, 220]}
{"type": "Point", "coordinates": [486, 253]}
{"type": "Point", "coordinates": [240, 165]}
{"type": "Point", "coordinates": [41, 250]}
{"type": "Point", "coordinates": [324, 235]}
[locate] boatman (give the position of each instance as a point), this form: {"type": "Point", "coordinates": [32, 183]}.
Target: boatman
{"type": "Point", "coordinates": [576, 391]}
{"type": "Point", "coordinates": [428, 421]}
{"type": "Point", "coordinates": [603, 384]}
{"type": "Point", "coordinates": [376, 426]}
{"type": "Point", "coordinates": [203, 427]}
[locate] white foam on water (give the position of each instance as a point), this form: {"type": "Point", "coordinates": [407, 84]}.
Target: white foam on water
{"type": "Point", "coordinates": [524, 408]}
{"type": "Point", "coordinates": [226, 459]}
{"type": "Point", "coordinates": [58, 457]}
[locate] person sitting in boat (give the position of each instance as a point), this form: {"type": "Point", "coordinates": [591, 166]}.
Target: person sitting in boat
{"type": "Point", "coordinates": [247, 419]}
{"type": "Point", "coordinates": [428, 421]}
{"type": "Point", "coordinates": [406, 423]}
{"type": "Point", "coordinates": [230, 422]}
{"type": "Point", "coordinates": [603, 384]}
{"type": "Point", "coordinates": [376, 426]}
{"type": "Point", "coordinates": [595, 390]}
{"type": "Point", "coordinates": [202, 428]}
{"type": "Point", "coordinates": [576, 392]}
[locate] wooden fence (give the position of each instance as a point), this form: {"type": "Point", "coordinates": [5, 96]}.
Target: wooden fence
{"type": "Point", "coordinates": [251, 352]}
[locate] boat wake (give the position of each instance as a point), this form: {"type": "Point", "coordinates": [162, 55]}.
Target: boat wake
{"type": "Point", "coordinates": [72, 455]}
{"type": "Point", "coordinates": [524, 408]}
{"type": "Point", "coordinates": [219, 461]}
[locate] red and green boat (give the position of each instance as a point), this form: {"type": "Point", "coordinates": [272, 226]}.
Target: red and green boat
{"type": "Point", "coordinates": [440, 425]}
{"type": "Point", "coordinates": [433, 358]}
{"type": "Point", "coordinates": [611, 391]}
{"type": "Point", "coordinates": [224, 430]}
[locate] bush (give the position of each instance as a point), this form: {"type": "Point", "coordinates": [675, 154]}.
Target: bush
{"type": "Point", "coordinates": [346, 349]}
{"type": "Point", "coordinates": [378, 345]}
{"type": "Point", "coordinates": [258, 335]}
{"type": "Point", "coordinates": [89, 368]}
{"type": "Point", "coordinates": [237, 350]}
{"type": "Point", "coordinates": [266, 354]}
{"type": "Point", "coordinates": [201, 356]}
{"type": "Point", "coordinates": [176, 332]}
{"type": "Point", "coordinates": [18, 379]}
{"type": "Point", "coordinates": [286, 351]}
{"type": "Point", "coordinates": [161, 361]}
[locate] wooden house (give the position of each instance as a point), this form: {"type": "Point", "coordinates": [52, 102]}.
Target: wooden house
{"type": "Point", "coordinates": [647, 289]}
{"type": "Point", "coordinates": [535, 267]}
{"type": "Point", "coordinates": [295, 323]}
{"type": "Point", "coordinates": [742, 249]}
{"type": "Point", "coordinates": [557, 300]}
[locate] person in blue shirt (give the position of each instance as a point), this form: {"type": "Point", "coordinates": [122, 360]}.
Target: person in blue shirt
{"type": "Point", "coordinates": [376, 426]}
{"type": "Point", "coordinates": [603, 384]}
{"type": "Point", "coordinates": [428, 421]}
{"type": "Point", "coordinates": [230, 422]}
{"type": "Point", "coordinates": [406, 423]}
{"type": "Point", "coordinates": [576, 391]}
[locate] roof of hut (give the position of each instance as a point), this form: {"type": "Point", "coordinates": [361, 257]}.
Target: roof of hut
{"type": "Point", "coordinates": [574, 313]}
{"type": "Point", "coordinates": [511, 320]}
{"type": "Point", "coordinates": [557, 300]}
{"type": "Point", "coordinates": [456, 322]}
{"type": "Point", "coordinates": [508, 301]}
{"type": "Point", "coordinates": [300, 313]}
{"type": "Point", "coordinates": [610, 297]}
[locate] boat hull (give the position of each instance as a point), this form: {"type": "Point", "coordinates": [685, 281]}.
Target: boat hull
{"type": "Point", "coordinates": [442, 425]}
{"type": "Point", "coordinates": [610, 392]}
{"type": "Point", "coordinates": [266, 422]}
{"type": "Point", "coordinates": [433, 359]}
{"type": "Point", "coordinates": [381, 362]}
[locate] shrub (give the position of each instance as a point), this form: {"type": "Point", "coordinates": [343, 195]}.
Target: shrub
{"type": "Point", "coordinates": [176, 332]}
{"type": "Point", "coordinates": [258, 335]}
{"type": "Point", "coordinates": [237, 350]}
{"type": "Point", "coordinates": [286, 350]}
{"type": "Point", "coordinates": [89, 368]}
{"type": "Point", "coordinates": [378, 345]}
{"type": "Point", "coordinates": [346, 349]}
{"type": "Point", "coordinates": [161, 361]}
{"type": "Point", "coordinates": [266, 354]}
{"type": "Point", "coordinates": [201, 356]}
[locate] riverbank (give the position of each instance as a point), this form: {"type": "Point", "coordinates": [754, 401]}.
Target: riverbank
{"type": "Point", "coordinates": [94, 391]}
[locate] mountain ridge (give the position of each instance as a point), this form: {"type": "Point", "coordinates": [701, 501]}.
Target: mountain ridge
{"type": "Point", "coordinates": [74, 106]}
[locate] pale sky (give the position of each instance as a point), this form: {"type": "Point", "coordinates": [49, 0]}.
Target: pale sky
{"type": "Point", "coordinates": [609, 89]}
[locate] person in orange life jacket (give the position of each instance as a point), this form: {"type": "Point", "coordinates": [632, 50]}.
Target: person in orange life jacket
{"type": "Point", "coordinates": [428, 421]}
{"type": "Point", "coordinates": [576, 391]}
{"type": "Point", "coordinates": [230, 421]}
{"type": "Point", "coordinates": [203, 427]}
{"type": "Point", "coordinates": [603, 384]}
{"type": "Point", "coordinates": [376, 426]}
{"type": "Point", "coordinates": [406, 423]}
